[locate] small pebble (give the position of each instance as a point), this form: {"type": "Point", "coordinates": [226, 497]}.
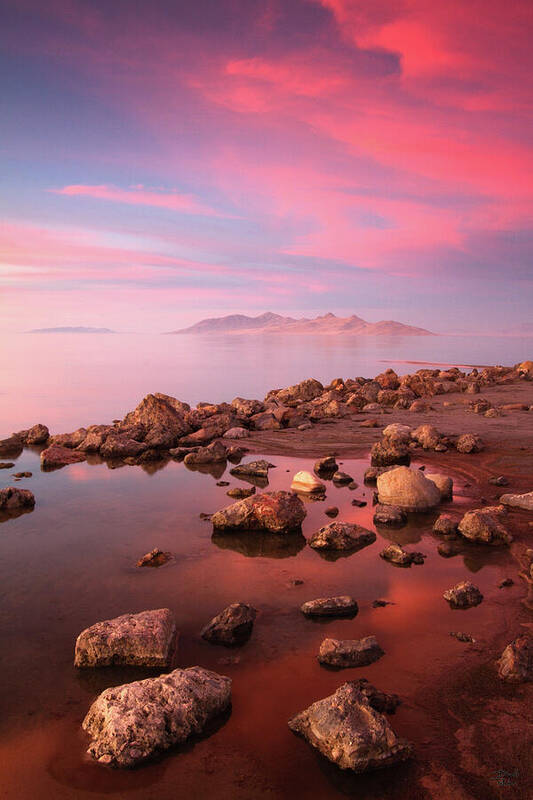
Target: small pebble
{"type": "Point", "coordinates": [222, 483]}
{"type": "Point", "coordinates": [359, 503]}
{"type": "Point", "coordinates": [506, 582]}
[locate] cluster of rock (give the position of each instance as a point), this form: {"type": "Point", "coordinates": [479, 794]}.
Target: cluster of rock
{"type": "Point", "coordinates": [480, 525]}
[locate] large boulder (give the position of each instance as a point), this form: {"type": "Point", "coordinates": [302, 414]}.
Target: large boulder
{"type": "Point", "coordinates": [56, 456]}
{"type": "Point", "coordinates": [130, 723]}
{"type": "Point", "coordinates": [516, 662]}
{"type": "Point", "coordinates": [13, 499]}
{"type": "Point", "coordinates": [349, 732]}
{"type": "Point", "coordinates": [463, 595]}
{"type": "Point", "coordinates": [484, 525]}
{"type": "Point", "coordinates": [306, 483]}
{"type": "Point", "coordinates": [37, 434]}
{"type": "Point", "coordinates": [343, 606]}
{"type": "Point", "coordinates": [523, 501]}
{"type": "Point", "coordinates": [407, 488]}
{"type": "Point", "coordinates": [232, 626]}
{"type": "Point", "coordinates": [274, 512]}
{"type": "Point", "coordinates": [341, 536]}
{"type": "Point", "coordinates": [163, 413]}
{"type": "Point", "coordinates": [350, 652]}
{"type": "Point", "coordinates": [145, 639]}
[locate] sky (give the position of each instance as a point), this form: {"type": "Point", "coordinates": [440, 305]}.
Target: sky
{"type": "Point", "coordinates": [161, 162]}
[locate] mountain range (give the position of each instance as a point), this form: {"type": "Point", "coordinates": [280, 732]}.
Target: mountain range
{"type": "Point", "coordinates": [328, 324]}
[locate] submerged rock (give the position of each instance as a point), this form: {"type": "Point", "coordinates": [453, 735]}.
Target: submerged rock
{"type": "Point", "coordinates": [331, 511]}
{"type": "Point", "coordinates": [240, 492]}
{"type": "Point", "coordinates": [326, 466]}
{"type": "Point", "coordinates": [257, 469]}
{"type": "Point", "coordinates": [6, 464]}
{"type": "Point", "coordinates": [143, 639]}
{"type": "Point", "coordinates": [276, 512]}
{"type": "Point", "coordinates": [389, 515]}
{"type": "Point", "coordinates": [342, 606]}
{"type": "Point", "coordinates": [350, 652]}
{"type": "Point", "coordinates": [385, 702]}
{"type": "Point", "coordinates": [463, 595]}
{"type": "Point", "coordinates": [443, 483]}
{"type": "Point", "coordinates": [11, 446]}
{"type": "Point", "coordinates": [57, 456]}
{"type": "Point", "coordinates": [523, 501]}
{"type": "Point", "coordinates": [407, 488]}
{"type": "Point", "coordinates": [130, 723]}
{"type": "Point", "coordinates": [516, 662]}
{"type": "Point", "coordinates": [462, 637]}
{"type": "Point", "coordinates": [397, 555]}
{"type": "Point", "coordinates": [155, 558]}
{"type": "Point", "coordinates": [341, 536]}
{"type": "Point", "coordinates": [448, 549]}
{"type": "Point", "coordinates": [213, 453]}
{"type": "Point", "coordinates": [232, 626]}
{"type": "Point", "coordinates": [446, 526]}
{"type": "Point", "coordinates": [306, 483]}
{"type": "Point", "coordinates": [484, 525]}
{"type": "Point", "coordinates": [349, 732]}
{"type": "Point", "coordinates": [13, 499]}
{"type": "Point", "coordinates": [341, 478]}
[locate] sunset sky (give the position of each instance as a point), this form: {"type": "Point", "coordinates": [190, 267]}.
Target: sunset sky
{"type": "Point", "coordinates": [168, 160]}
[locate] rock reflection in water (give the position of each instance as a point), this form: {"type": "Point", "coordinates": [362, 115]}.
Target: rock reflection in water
{"type": "Point", "coordinates": [265, 545]}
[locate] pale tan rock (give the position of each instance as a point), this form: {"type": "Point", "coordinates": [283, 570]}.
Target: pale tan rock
{"type": "Point", "coordinates": [524, 501]}
{"type": "Point", "coordinates": [443, 483]}
{"type": "Point", "coordinates": [306, 483]}
{"type": "Point", "coordinates": [484, 525]}
{"type": "Point", "coordinates": [407, 488]}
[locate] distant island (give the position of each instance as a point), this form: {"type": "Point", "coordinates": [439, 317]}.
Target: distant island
{"type": "Point", "coordinates": [72, 330]}
{"type": "Point", "coordinates": [328, 325]}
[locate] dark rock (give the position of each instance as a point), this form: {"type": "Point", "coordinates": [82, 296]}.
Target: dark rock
{"type": "Point", "coordinates": [56, 456]}
{"type": "Point", "coordinates": [144, 639]}
{"type": "Point", "coordinates": [349, 732]}
{"type": "Point", "coordinates": [326, 466]}
{"type": "Point", "coordinates": [233, 626]}
{"type": "Point", "coordinates": [341, 478]}
{"type": "Point", "coordinates": [397, 555]}
{"type": "Point", "coordinates": [6, 464]}
{"type": "Point", "coordinates": [387, 453]}
{"type": "Point", "coordinates": [252, 468]}
{"type": "Point", "coordinates": [359, 503]}
{"type": "Point", "coordinates": [11, 446]}
{"type": "Point", "coordinates": [331, 511]}
{"type": "Point", "coordinates": [389, 515]}
{"type": "Point", "coordinates": [213, 453]}
{"type": "Point", "coordinates": [13, 499]}
{"type": "Point", "coordinates": [222, 483]}
{"type": "Point", "coordinates": [463, 595]}
{"type": "Point", "coordinates": [341, 536]}
{"type": "Point", "coordinates": [383, 702]}
{"type": "Point", "coordinates": [350, 652]}
{"type": "Point", "coordinates": [240, 493]}
{"type": "Point", "coordinates": [448, 549]}
{"type": "Point", "coordinates": [22, 474]}
{"type": "Point", "coordinates": [446, 526]}
{"type": "Point", "coordinates": [155, 558]}
{"type": "Point", "coordinates": [130, 723]}
{"type": "Point", "coordinates": [381, 603]}
{"type": "Point", "coordinates": [462, 637]}
{"type": "Point", "coordinates": [501, 480]}
{"type": "Point", "coordinates": [506, 582]}
{"type": "Point", "coordinates": [36, 435]}
{"type": "Point", "coordinates": [343, 606]}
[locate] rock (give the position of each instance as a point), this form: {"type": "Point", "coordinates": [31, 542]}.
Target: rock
{"type": "Point", "coordinates": [506, 582]}
{"type": "Point", "coordinates": [145, 639]}
{"type": "Point", "coordinates": [407, 488]}
{"type": "Point", "coordinates": [369, 423]}
{"type": "Point", "coordinates": [524, 501]}
{"type": "Point", "coordinates": [241, 493]}
{"type": "Point", "coordinates": [515, 407]}
{"type": "Point", "coordinates": [163, 415]}
{"type": "Point", "coordinates": [490, 413]}
{"type": "Point", "coordinates": [35, 435]}
{"type": "Point", "coordinates": [389, 515]}
{"type": "Point", "coordinates": [121, 445]}
{"type": "Point", "coordinates": [396, 433]}
{"type": "Point", "coordinates": [443, 483]}
{"type": "Point", "coordinates": [359, 503]}
{"type": "Point", "coordinates": [372, 408]}
{"type": "Point", "coordinates": [516, 662]}
{"type": "Point", "coordinates": [247, 407]}
{"type": "Point", "coordinates": [214, 453]}
{"type": "Point", "coordinates": [306, 483]}
{"type": "Point", "coordinates": [384, 702]}
{"type": "Point", "coordinates": [525, 369]}
{"type": "Point", "coordinates": [95, 437]}
{"type": "Point", "coordinates": [463, 595]}
{"type": "Point", "coordinates": [396, 555]}
{"type": "Point", "coordinates": [343, 606]}
{"type": "Point", "coordinates": [448, 549]}
{"type": "Point", "coordinates": [305, 391]}
{"type": "Point", "coordinates": [237, 433]}
{"type": "Point", "coordinates": [72, 440]}
{"type": "Point", "coordinates": [252, 468]}
{"type": "Point", "coordinates": [222, 483]}
{"type": "Point", "coordinates": [275, 512]}
{"type": "Point", "coordinates": [341, 536]}
{"type": "Point", "coordinates": [305, 426]}
{"type": "Point", "coordinates": [479, 406]}
{"type": "Point", "coordinates": [331, 511]}
{"type": "Point", "coordinates": [13, 499]}
{"type": "Point", "coordinates": [419, 406]}
{"type": "Point", "coordinates": [57, 456]}
{"type": "Point", "coordinates": [155, 558]}
{"type": "Point", "coordinates": [349, 732]}
{"type": "Point", "coordinates": [372, 473]}
{"type": "Point", "coordinates": [342, 478]}
{"type": "Point", "coordinates": [380, 603]}
{"type": "Point", "coordinates": [350, 652]}
{"type": "Point", "coordinates": [233, 626]}
{"type": "Point", "coordinates": [469, 443]}
{"type": "Point", "coordinates": [22, 474]}
{"type": "Point", "coordinates": [446, 526]}
{"type": "Point", "coordinates": [130, 723]}
{"type": "Point", "coordinates": [483, 525]}
{"type": "Point", "coordinates": [462, 637]}
{"type": "Point", "coordinates": [180, 452]}
{"type": "Point", "coordinates": [501, 480]}
{"type": "Point", "coordinates": [326, 466]}
{"type": "Point", "coordinates": [7, 464]}
{"type": "Point", "coordinates": [11, 446]}
{"type": "Point", "coordinates": [265, 422]}
{"type": "Point", "coordinates": [427, 436]}
{"type": "Point", "coordinates": [386, 453]}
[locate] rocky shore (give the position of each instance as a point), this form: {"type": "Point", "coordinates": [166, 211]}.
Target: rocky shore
{"type": "Point", "coordinates": [476, 424]}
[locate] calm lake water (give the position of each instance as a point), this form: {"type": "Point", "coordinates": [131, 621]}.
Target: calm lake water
{"type": "Point", "coordinates": [69, 380]}
{"type": "Point", "coordinates": [71, 562]}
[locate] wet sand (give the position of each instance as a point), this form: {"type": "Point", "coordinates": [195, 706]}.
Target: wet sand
{"type": "Point", "coordinates": [71, 562]}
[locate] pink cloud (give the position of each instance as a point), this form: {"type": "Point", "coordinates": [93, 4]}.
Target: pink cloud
{"type": "Point", "coordinates": [140, 196]}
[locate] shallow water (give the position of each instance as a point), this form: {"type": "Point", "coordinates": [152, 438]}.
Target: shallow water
{"type": "Point", "coordinates": [69, 380]}
{"type": "Point", "coordinates": [71, 562]}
